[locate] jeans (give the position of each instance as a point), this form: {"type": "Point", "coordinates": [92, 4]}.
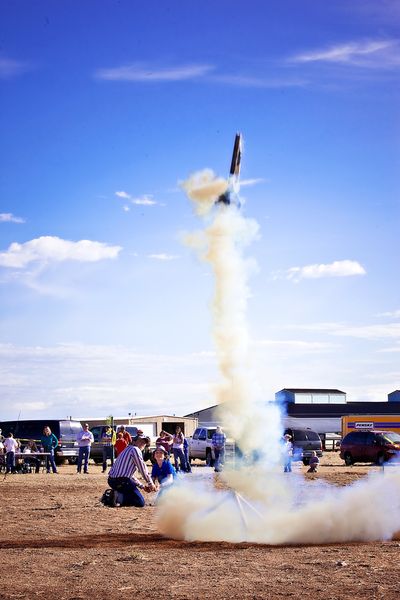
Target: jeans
{"type": "Point", "coordinates": [179, 454]}
{"type": "Point", "coordinates": [219, 458]}
{"type": "Point", "coordinates": [84, 453]}
{"type": "Point", "coordinates": [128, 489]}
{"type": "Point", "coordinates": [50, 461]}
{"type": "Point", "coordinates": [288, 465]}
{"type": "Point", "coordinates": [108, 452]}
{"type": "Point", "coordinates": [10, 462]}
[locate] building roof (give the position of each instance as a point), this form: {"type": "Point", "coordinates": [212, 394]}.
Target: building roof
{"type": "Point", "coordinates": [340, 410]}
{"type": "Point", "coordinates": [311, 391]}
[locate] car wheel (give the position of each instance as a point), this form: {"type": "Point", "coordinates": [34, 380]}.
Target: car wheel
{"type": "Point", "coordinates": [348, 459]}
{"type": "Point", "coordinates": [209, 459]}
{"type": "Point", "coordinates": [306, 461]}
{"type": "Point", "coordinates": [380, 460]}
{"type": "Point", "coordinates": [73, 460]}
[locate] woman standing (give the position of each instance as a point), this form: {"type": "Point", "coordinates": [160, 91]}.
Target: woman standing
{"type": "Point", "coordinates": [49, 443]}
{"type": "Point", "coordinates": [177, 447]}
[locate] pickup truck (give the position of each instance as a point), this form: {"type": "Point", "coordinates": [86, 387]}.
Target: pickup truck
{"type": "Point", "coordinates": [200, 445]}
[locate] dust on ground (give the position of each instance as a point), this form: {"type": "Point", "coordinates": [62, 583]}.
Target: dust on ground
{"type": "Point", "coordinates": [58, 541]}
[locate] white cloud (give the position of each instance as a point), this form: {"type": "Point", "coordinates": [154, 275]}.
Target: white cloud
{"type": "Point", "coordinates": [48, 249]}
{"type": "Point", "coordinates": [371, 54]}
{"type": "Point", "coordinates": [395, 314]}
{"type": "Point", "coordinates": [162, 256]}
{"type": "Point", "coordinates": [148, 74]}
{"type": "Point", "coordinates": [145, 200]}
{"type": "Point", "coordinates": [10, 218]}
{"type": "Point", "coordinates": [302, 345]}
{"type": "Point", "coordinates": [12, 68]}
{"type": "Point", "coordinates": [339, 268]}
{"type": "Point", "coordinates": [85, 380]}
{"type": "Point", "coordinates": [370, 332]}
{"type": "Point", "coordinates": [251, 182]}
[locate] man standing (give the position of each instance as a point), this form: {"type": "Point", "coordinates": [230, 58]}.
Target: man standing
{"type": "Point", "coordinates": [218, 443]}
{"type": "Point", "coordinates": [125, 434]}
{"type": "Point", "coordinates": [126, 488]}
{"type": "Point", "coordinates": [11, 446]}
{"type": "Point", "coordinates": [108, 441]}
{"type": "Point", "coordinates": [85, 439]}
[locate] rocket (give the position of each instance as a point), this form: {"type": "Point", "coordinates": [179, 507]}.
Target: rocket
{"type": "Point", "coordinates": [231, 194]}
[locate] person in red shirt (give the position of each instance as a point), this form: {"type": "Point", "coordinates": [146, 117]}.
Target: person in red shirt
{"type": "Point", "coordinates": [120, 444]}
{"type": "Point", "coordinates": [125, 434]}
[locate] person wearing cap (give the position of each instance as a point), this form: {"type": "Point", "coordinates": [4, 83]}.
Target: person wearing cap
{"type": "Point", "coordinates": [288, 453]}
{"type": "Point", "coordinates": [85, 439]}
{"type": "Point", "coordinates": [162, 473]}
{"type": "Point", "coordinates": [121, 478]}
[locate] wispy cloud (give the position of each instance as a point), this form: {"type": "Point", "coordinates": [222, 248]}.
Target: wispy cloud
{"type": "Point", "coordinates": [301, 345]}
{"type": "Point", "coordinates": [12, 68]}
{"type": "Point", "coordinates": [48, 249]}
{"type": "Point", "coordinates": [163, 256]}
{"type": "Point", "coordinates": [10, 218]}
{"type": "Point", "coordinates": [339, 268]}
{"type": "Point", "coordinates": [368, 54]}
{"type": "Point", "coordinates": [147, 74]}
{"type": "Point", "coordinates": [251, 182]}
{"type": "Point", "coordinates": [144, 200]}
{"type": "Point", "coordinates": [246, 81]}
{"type": "Point", "coordinates": [368, 332]}
{"type": "Point", "coordinates": [395, 314]}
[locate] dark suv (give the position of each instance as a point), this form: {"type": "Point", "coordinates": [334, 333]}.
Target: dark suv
{"type": "Point", "coordinates": [304, 442]}
{"type": "Point", "coordinates": [369, 446]}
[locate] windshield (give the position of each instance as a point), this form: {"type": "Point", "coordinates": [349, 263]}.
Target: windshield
{"type": "Point", "coordinates": [393, 438]}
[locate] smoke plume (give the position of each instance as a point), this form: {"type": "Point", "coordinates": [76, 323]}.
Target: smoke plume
{"type": "Point", "coordinates": [260, 503]}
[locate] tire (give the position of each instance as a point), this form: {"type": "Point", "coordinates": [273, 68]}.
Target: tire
{"type": "Point", "coordinates": [306, 462]}
{"type": "Point", "coordinates": [209, 459]}
{"type": "Point", "coordinates": [73, 460]}
{"type": "Point", "coordinates": [348, 459]}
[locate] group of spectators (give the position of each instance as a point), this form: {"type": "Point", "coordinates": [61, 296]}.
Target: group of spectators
{"type": "Point", "coordinates": [32, 455]}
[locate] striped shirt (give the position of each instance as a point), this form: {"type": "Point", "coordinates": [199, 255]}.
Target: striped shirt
{"type": "Point", "coordinates": [128, 462]}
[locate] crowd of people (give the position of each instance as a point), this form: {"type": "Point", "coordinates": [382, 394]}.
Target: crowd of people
{"type": "Point", "coordinates": [126, 457]}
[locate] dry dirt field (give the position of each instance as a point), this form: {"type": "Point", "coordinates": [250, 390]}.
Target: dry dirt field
{"type": "Point", "coordinates": [59, 542]}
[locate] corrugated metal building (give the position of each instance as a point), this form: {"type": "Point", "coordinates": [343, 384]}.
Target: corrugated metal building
{"type": "Point", "coordinates": [319, 409]}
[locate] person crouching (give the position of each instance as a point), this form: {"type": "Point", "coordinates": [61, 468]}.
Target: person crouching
{"type": "Point", "coordinates": [163, 473]}
{"type": "Point", "coordinates": [126, 488]}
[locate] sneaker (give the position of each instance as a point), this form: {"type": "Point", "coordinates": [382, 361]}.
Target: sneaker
{"type": "Point", "coordinates": [113, 498]}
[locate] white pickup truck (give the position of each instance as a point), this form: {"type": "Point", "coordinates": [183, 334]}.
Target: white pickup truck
{"type": "Point", "coordinates": [200, 445]}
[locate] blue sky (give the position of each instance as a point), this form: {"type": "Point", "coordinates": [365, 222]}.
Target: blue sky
{"type": "Point", "coordinates": [105, 107]}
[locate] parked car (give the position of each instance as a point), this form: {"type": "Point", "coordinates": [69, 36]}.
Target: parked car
{"type": "Point", "coordinates": [64, 430]}
{"type": "Point", "coordinates": [304, 441]}
{"type": "Point", "coordinates": [200, 445]}
{"type": "Point", "coordinates": [369, 446]}
{"type": "Point", "coordinates": [96, 452]}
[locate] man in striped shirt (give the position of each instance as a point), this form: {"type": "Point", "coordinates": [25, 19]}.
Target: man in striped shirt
{"type": "Point", "coordinates": [120, 478]}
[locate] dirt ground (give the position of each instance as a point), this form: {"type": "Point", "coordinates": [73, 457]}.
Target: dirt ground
{"type": "Point", "coordinates": [58, 541]}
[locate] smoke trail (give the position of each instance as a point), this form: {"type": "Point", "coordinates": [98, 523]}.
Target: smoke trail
{"type": "Point", "coordinates": [262, 504]}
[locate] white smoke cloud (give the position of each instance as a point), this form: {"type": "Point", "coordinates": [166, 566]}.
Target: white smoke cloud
{"type": "Point", "coordinates": [262, 504]}
{"type": "Point", "coordinates": [54, 249]}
